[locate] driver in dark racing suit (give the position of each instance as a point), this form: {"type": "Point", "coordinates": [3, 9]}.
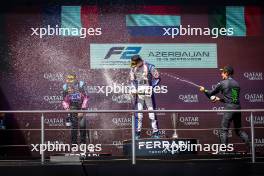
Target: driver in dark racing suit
{"type": "Point", "coordinates": [230, 90]}
{"type": "Point", "coordinates": [75, 98]}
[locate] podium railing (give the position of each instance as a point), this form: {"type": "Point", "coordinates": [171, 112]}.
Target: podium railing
{"type": "Point", "coordinates": [43, 112]}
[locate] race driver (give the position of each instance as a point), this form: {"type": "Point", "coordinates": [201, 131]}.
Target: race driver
{"type": "Point", "coordinates": [144, 77]}
{"type": "Point", "coordinates": [75, 98]}
{"type": "Point", "coordinates": [230, 90]}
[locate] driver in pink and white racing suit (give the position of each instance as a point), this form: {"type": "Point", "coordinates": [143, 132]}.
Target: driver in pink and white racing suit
{"type": "Point", "coordinates": [75, 98]}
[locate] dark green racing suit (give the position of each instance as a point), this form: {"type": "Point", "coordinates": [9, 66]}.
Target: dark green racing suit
{"type": "Point", "coordinates": [230, 90]}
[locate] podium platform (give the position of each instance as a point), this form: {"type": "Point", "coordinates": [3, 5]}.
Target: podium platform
{"type": "Point", "coordinates": [69, 157]}
{"type": "Point", "coordinates": [159, 147]}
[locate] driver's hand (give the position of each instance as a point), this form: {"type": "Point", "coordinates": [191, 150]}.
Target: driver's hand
{"type": "Point", "coordinates": [202, 89]}
{"type": "Point", "coordinates": [216, 99]}
{"type": "Point", "coordinates": [80, 115]}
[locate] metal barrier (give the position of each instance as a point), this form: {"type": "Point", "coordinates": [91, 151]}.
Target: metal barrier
{"type": "Point", "coordinates": [42, 112]}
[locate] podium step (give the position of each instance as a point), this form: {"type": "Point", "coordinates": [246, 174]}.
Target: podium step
{"type": "Point", "coordinates": [65, 158]}
{"type": "Point", "coordinates": [159, 147]}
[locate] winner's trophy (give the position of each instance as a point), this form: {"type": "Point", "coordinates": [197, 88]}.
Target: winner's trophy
{"type": "Point", "coordinates": [174, 125]}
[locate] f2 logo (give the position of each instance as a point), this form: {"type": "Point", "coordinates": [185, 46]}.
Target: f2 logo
{"type": "Point", "coordinates": [127, 53]}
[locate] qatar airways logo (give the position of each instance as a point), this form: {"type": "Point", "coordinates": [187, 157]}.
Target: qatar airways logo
{"type": "Point", "coordinates": [189, 121]}
{"type": "Point", "coordinates": [162, 133]}
{"type": "Point", "coordinates": [92, 89]}
{"type": "Point", "coordinates": [118, 144]}
{"type": "Point", "coordinates": [54, 122]}
{"type": "Point", "coordinates": [91, 114]}
{"type": "Point", "coordinates": [53, 99]}
{"type": "Point", "coordinates": [253, 76]}
{"type": "Point", "coordinates": [54, 76]}
{"type": "Point", "coordinates": [122, 121]}
{"type": "Point", "coordinates": [122, 99]}
{"type": "Point", "coordinates": [160, 113]}
{"type": "Point", "coordinates": [254, 98]}
{"type": "Point", "coordinates": [218, 108]}
{"type": "Point", "coordinates": [258, 120]}
{"type": "Point", "coordinates": [189, 98]}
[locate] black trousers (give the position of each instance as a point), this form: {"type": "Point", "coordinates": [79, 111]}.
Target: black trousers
{"type": "Point", "coordinates": [228, 117]}
{"type": "Point", "coordinates": [74, 128]}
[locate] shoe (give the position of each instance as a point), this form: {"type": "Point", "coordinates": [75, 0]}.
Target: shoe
{"type": "Point", "coordinates": [155, 135]}
{"type": "Point", "coordinates": [68, 121]}
{"type": "Point", "coordinates": [249, 148]}
{"type": "Point", "coordinates": [137, 136]}
{"type": "Point", "coordinates": [82, 156]}
{"type": "Point", "coordinates": [68, 124]}
{"type": "Point", "coordinates": [2, 126]}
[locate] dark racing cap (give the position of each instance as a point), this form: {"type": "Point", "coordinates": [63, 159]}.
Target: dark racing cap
{"type": "Point", "coordinates": [228, 69]}
{"type": "Point", "coordinates": [135, 59]}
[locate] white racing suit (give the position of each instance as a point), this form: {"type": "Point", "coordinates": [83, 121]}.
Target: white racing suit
{"type": "Point", "coordinates": [144, 79]}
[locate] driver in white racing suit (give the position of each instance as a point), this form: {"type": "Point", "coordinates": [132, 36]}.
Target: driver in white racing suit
{"type": "Point", "coordinates": [144, 78]}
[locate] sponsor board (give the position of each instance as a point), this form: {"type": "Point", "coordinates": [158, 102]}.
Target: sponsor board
{"type": "Point", "coordinates": [103, 56]}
